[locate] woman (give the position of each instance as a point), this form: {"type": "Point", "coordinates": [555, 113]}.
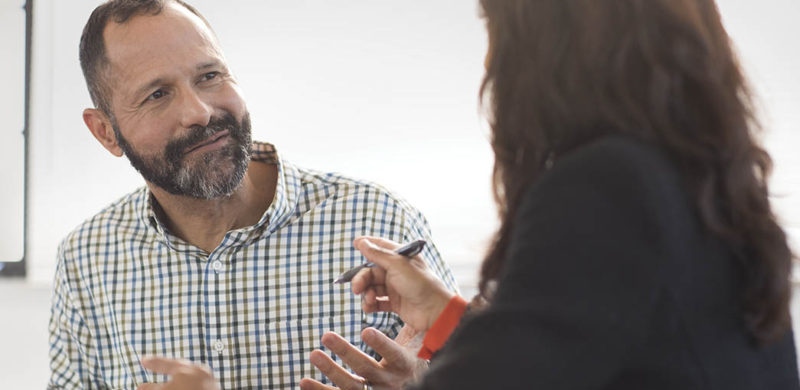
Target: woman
{"type": "Point", "coordinates": [637, 247]}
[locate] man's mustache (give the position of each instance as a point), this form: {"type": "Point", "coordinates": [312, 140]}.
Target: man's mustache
{"type": "Point", "coordinates": [175, 148]}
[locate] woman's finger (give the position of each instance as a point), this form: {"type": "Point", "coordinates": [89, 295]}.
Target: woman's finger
{"type": "Point", "coordinates": [366, 278]}
{"type": "Point", "coordinates": [381, 256]}
{"type": "Point", "coordinates": [389, 245]}
{"type": "Point", "coordinates": [380, 290]}
{"type": "Point", "coordinates": [369, 300]}
{"type": "Point", "coordinates": [383, 306]}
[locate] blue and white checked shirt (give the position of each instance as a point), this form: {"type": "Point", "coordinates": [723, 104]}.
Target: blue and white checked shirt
{"type": "Point", "coordinates": [253, 309]}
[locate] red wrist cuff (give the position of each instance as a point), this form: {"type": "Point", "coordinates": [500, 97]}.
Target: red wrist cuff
{"type": "Point", "coordinates": [442, 328]}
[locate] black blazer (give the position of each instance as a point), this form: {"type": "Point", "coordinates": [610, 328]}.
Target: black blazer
{"type": "Point", "coordinates": [612, 282]}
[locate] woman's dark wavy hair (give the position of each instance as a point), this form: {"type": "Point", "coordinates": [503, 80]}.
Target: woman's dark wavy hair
{"type": "Point", "coordinates": [561, 73]}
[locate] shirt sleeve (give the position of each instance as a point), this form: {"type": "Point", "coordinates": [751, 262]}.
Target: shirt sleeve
{"type": "Point", "coordinates": [579, 284]}
{"type": "Point", "coordinates": [69, 337]}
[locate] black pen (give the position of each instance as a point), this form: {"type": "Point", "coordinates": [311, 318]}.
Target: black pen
{"type": "Point", "coordinates": [409, 250]}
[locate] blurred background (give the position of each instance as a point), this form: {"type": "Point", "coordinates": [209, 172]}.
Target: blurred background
{"type": "Point", "coordinates": [376, 89]}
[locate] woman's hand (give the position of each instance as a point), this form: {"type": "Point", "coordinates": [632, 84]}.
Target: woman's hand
{"type": "Point", "coordinates": [399, 365]}
{"type": "Point", "coordinates": [184, 374]}
{"type": "Point", "coordinates": [401, 285]}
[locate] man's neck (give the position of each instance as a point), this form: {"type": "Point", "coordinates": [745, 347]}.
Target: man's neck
{"type": "Point", "coordinates": [204, 223]}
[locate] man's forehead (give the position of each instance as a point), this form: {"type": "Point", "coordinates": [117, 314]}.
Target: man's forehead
{"type": "Point", "coordinates": [137, 48]}
{"type": "Point", "coordinates": [173, 25]}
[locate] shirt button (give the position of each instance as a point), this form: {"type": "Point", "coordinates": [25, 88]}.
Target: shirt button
{"type": "Point", "coordinates": [219, 346]}
{"type": "Point", "coordinates": [217, 265]}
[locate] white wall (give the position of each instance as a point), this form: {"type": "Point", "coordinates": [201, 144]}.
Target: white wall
{"type": "Point", "coordinates": [766, 34]}
{"type": "Point", "coordinates": [12, 141]}
{"type": "Point", "coordinates": [384, 90]}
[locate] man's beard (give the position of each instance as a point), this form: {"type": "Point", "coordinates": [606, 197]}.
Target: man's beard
{"type": "Point", "coordinates": [207, 176]}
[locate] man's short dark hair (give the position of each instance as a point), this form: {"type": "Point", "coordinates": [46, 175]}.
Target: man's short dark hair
{"type": "Point", "coordinates": [93, 49]}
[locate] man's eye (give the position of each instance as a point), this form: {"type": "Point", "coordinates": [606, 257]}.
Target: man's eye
{"type": "Point", "coordinates": [210, 76]}
{"type": "Point", "coordinates": [156, 95]}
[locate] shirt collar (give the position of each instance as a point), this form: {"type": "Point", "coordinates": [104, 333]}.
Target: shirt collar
{"type": "Point", "coordinates": [279, 212]}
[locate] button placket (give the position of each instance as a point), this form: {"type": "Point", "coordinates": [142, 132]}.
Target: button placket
{"type": "Point", "coordinates": [219, 346]}
{"type": "Point", "coordinates": [217, 266]}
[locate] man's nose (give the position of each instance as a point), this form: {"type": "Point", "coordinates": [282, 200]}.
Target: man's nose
{"type": "Point", "coordinates": [195, 110]}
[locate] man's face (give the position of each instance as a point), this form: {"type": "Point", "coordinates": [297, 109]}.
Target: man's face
{"type": "Point", "coordinates": [176, 110]}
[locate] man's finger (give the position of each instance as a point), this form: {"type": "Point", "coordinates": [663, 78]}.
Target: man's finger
{"type": "Point", "coordinates": [361, 363]}
{"type": "Point", "coordinates": [310, 384]}
{"type": "Point", "coordinates": [164, 366]}
{"type": "Point", "coordinates": [150, 386]}
{"type": "Point", "coordinates": [336, 373]}
{"type": "Point", "coordinates": [392, 352]}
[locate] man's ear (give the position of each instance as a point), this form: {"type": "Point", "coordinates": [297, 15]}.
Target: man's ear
{"type": "Point", "coordinates": [100, 126]}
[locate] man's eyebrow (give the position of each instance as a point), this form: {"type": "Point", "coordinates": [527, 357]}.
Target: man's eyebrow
{"type": "Point", "coordinates": [208, 65]}
{"type": "Point", "coordinates": [147, 87]}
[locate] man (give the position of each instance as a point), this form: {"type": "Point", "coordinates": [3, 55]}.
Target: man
{"type": "Point", "coordinates": [226, 256]}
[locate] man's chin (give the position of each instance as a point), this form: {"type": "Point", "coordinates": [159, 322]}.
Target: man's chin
{"type": "Point", "coordinates": [207, 175]}
{"type": "Point", "coordinates": [216, 184]}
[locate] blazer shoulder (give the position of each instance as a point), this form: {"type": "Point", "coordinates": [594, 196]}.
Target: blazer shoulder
{"type": "Point", "coordinates": [620, 154]}
{"type": "Point", "coordinates": [621, 163]}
